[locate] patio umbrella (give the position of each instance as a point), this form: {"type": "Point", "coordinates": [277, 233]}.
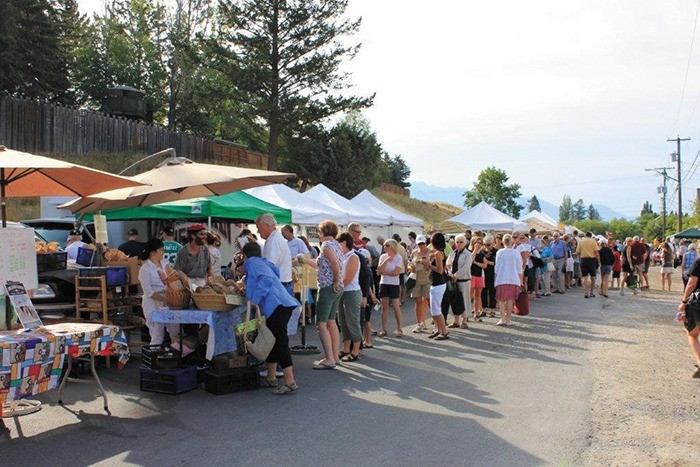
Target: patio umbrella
{"type": "Point", "coordinates": [174, 179]}
{"type": "Point", "coordinates": [24, 174]}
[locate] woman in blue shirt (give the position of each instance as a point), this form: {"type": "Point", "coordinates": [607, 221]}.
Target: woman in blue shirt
{"type": "Point", "coordinates": [263, 287]}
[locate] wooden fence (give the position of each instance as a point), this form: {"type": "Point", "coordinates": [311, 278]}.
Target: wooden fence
{"type": "Point", "coordinates": [42, 127]}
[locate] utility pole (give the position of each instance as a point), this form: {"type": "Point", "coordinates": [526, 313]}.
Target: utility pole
{"type": "Point", "coordinates": [662, 189]}
{"type": "Point", "coordinates": [678, 140]}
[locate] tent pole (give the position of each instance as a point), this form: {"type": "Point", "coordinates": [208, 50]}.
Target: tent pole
{"type": "Point", "coordinates": [209, 223]}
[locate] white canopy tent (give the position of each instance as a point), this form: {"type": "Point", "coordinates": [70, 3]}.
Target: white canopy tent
{"type": "Point", "coordinates": [539, 221]}
{"type": "Point", "coordinates": [356, 213]}
{"type": "Point", "coordinates": [368, 201]}
{"type": "Point", "coordinates": [485, 217]}
{"type": "Point", "coordinates": [305, 211]}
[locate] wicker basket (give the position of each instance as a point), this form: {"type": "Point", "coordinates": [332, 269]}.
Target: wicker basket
{"type": "Point", "coordinates": [212, 302]}
{"type": "Point", "coordinates": [177, 299]}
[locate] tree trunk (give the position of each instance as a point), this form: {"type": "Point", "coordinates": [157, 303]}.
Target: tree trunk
{"type": "Point", "coordinates": [274, 119]}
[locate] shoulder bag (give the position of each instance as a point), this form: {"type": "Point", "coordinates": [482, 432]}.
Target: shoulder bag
{"type": "Point", "coordinates": [264, 341]}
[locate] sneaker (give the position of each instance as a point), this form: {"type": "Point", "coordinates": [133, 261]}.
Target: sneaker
{"type": "Point", "coordinates": [622, 293]}
{"type": "Point", "coordinates": [418, 329]}
{"type": "Point", "coordinates": [501, 323]}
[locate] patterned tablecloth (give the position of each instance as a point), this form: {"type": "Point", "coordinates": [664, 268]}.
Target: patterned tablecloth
{"type": "Point", "coordinates": [222, 337]}
{"type": "Point", "coordinates": [31, 362]}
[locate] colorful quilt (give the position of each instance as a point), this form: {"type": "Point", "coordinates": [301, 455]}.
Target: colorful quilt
{"type": "Point", "coordinates": [31, 362]}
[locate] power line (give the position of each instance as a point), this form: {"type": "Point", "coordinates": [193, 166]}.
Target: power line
{"type": "Point", "coordinates": [678, 141]}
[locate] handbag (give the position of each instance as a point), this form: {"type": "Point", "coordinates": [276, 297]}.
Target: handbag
{"type": "Point", "coordinates": [536, 262]}
{"type": "Point", "coordinates": [551, 267]}
{"type": "Point", "coordinates": [410, 282]}
{"type": "Point", "coordinates": [264, 341]}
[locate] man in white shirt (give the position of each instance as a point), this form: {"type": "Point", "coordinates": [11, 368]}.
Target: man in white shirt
{"type": "Point", "coordinates": [276, 249]}
{"type": "Point", "coordinates": [73, 242]}
{"type": "Point", "coordinates": [295, 244]}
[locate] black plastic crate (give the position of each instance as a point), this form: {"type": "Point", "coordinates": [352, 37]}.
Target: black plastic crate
{"type": "Point", "coordinates": [219, 382]}
{"type": "Point", "coordinates": [51, 261]}
{"type": "Point", "coordinates": [169, 381]}
{"type": "Point", "coordinates": [159, 357]}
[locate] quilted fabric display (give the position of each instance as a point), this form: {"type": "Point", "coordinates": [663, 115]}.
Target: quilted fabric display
{"type": "Point", "coordinates": [31, 362]}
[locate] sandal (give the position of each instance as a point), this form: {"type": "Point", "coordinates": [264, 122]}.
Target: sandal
{"type": "Point", "coordinates": [367, 346]}
{"type": "Point", "coordinates": [342, 354]}
{"type": "Point", "coordinates": [268, 383]}
{"type": "Point", "coordinates": [464, 326]}
{"type": "Point", "coordinates": [434, 335]}
{"type": "Point", "coordinates": [492, 314]}
{"type": "Point", "coordinates": [442, 337]}
{"type": "Point", "coordinates": [381, 334]}
{"type": "Point", "coordinates": [350, 358]}
{"type": "Point", "coordinates": [285, 389]}
{"type": "Point", "coordinates": [696, 373]}
{"type": "Point", "coordinates": [399, 333]}
{"type": "Point", "coordinates": [453, 325]}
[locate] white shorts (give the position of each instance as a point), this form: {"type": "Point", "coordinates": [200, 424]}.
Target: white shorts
{"type": "Point", "coordinates": [436, 293]}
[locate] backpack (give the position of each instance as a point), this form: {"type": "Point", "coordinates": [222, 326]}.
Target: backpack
{"type": "Point", "coordinates": [365, 278]}
{"type": "Point", "coordinates": [374, 255]}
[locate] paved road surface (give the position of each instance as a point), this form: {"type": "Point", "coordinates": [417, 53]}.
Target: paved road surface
{"type": "Point", "coordinates": [488, 396]}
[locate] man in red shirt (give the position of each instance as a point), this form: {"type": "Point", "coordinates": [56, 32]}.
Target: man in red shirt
{"type": "Point", "coordinates": [636, 254]}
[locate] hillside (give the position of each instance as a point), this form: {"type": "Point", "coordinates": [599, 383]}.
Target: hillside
{"type": "Point", "coordinates": [433, 213]}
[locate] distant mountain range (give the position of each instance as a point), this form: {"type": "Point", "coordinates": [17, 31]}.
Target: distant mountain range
{"type": "Point", "coordinates": [455, 196]}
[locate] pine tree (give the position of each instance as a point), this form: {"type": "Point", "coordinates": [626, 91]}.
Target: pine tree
{"type": "Point", "coordinates": [565, 209]}
{"type": "Point", "coordinates": [593, 213]}
{"type": "Point", "coordinates": [578, 210]}
{"type": "Point", "coordinates": [533, 204]}
{"type": "Point", "coordinates": [285, 58]}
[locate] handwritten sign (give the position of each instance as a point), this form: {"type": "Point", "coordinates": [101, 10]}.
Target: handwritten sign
{"type": "Point", "coordinates": [18, 257]}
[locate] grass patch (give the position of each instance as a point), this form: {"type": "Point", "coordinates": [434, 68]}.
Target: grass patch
{"type": "Point", "coordinates": [432, 213]}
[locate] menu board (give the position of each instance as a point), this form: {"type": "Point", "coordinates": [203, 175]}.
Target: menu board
{"type": "Point", "coordinates": [18, 257]}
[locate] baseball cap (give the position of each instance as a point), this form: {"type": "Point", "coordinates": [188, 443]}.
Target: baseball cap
{"type": "Point", "coordinates": [421, 239]}
{"type": "Point", "coordinates": [132, 232]}
{"type": "Point", "coordinates": [169, 230]}
{"type": "Point", "coordinates": [196, 228]}
{"type": "Point", "coordinates": [75, 233]}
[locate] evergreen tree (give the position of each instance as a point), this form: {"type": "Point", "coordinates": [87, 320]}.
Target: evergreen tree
{"type": "Point", "coordinates": [578, 210]}
{"type": "Point", "coordinates": [533, 204]}
{"type": "Point", "coordinates": [593, 213]}
{"type": "Point", "coordinates": [646, 208]}
{"type": "Point", "coordinates": [36, 47]}
{"type": "Point", "coordinates": [565, 209]}
{"type": "Point", "coordinates": [285, 58]}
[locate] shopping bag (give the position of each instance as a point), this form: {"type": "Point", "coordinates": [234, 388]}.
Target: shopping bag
{"type": "Point", "coordinates": [522, 304]}
{"type": "Point", "coordinates": [262, 345]}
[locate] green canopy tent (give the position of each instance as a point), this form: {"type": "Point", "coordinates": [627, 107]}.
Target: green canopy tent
{"type": "Point", "coordinates": [237, 206]}
{"type": "Point", "coordinates": [693, 232]}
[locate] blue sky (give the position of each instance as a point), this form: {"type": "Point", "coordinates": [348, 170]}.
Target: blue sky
{"type": "Point", "coordinates": [567, 97]}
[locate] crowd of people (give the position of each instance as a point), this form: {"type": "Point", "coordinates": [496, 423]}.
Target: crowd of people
{"type": "Point", "coordinates": [451, 279]}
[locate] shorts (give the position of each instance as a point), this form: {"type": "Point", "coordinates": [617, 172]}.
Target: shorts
{"type": "Point", "coordinates": [616, 274]}
{"type": "Point", "coordinates": [421, 290]}
{"type": "Point", "coordinates": [588, 267]}
{"type": "Point", "coordinates": [389, 290]}
{"type": "Point", "coordinates": [605, 271]}
{"type": "Point", "coordinates": [436, 294]}
{"type": "Point", "coordinates": [667, 270]}
{"type": "Point", "coordinates": [327, 304]}
{"type": "Point", "coordinates": [478, 282]}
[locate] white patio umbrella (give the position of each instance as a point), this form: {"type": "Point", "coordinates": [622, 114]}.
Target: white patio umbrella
{"type": "Point", "coordinates": [178, 178]}
{"type": "Point", "coordinates": [23, 174]}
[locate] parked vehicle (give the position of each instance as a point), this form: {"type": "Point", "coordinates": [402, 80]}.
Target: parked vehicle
{"type": "Point", "coordinates": [56, 229]}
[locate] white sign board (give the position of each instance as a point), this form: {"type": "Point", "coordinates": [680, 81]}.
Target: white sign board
{"type": "Point", "coordinates": [18, 257]}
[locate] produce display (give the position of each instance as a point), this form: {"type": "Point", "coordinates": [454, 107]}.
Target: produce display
{"type": "Point", "coordinates": [44, 248]}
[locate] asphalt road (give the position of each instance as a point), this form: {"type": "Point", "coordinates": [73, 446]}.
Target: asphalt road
{"type": "Point", "coordinates": [488, 396]}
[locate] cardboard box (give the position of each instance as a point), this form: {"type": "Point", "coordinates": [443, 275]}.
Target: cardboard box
{"type": "Point", "coordinates": [132, 268]}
